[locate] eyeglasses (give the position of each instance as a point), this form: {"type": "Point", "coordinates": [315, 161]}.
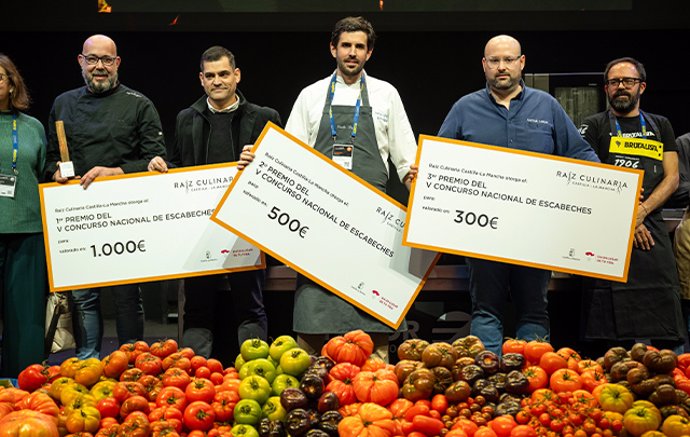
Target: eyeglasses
{"type": "Point", "coordinates": [627, 82]}
{"type": "Point", "coordinates": [4, 76]}
{"type": "Point", "coordinates": [493, 63]}
{"type": "Point", "coordinates": [93, 59]}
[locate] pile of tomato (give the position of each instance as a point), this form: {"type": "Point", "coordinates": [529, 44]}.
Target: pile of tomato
{"type": "Point", "coordinates": [436, 389]}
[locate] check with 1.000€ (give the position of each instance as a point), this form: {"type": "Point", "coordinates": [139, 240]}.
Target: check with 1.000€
{"type": "Point", "coordinates": [300, 207]}
{"type": "Point", "coordinates": [523, 208]}
{"type": "Point", "coordinates": [140, 227]}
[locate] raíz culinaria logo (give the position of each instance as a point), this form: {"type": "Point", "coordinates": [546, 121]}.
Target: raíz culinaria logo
{"type": "Point", "coordinates": [591, 181]}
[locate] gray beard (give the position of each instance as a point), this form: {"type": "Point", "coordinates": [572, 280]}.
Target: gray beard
{"type": "Point", "coordinates": [100, 87]}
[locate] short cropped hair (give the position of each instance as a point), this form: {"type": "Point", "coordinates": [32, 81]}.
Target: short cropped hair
{"type": "Point", "coordinates": [354, 24]}
{"type": "Point", "coordinates": [215, 53]}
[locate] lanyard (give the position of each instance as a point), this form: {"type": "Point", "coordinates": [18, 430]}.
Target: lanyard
{"type": "Point", "coordinates": [355, 121]}
{"type": "Point", "coordinates": [15, 143]}
{"type": "Point", "coordinates": [642, 123]}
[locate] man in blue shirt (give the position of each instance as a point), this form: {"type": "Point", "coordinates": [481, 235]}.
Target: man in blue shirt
{"type": "Point", "coordinates": [507, 113]}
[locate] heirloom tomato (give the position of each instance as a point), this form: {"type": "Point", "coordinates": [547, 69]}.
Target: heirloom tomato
{"type": "Point", "coordinates": [353, 347]}
{"type": "Point", "coordinates": [283, 381]}
{"type": "Point", "coordinates": [242, 430]}
{"type": "Point", "coordinates": [380, 387]}
{"type": "Point", "coordinates": [281, 345]}
{"type": "Point", "coordinates": [176, 377]}
{"type": "Point", "coordinates": [171, 397]}
{"type": "Point", "coordinates": [614, 397]}
{"type": "Point", "coordinates": [199, 415]}
{"type": "Point", "coordinates": [254, 387]}
{"type": "Point", "coordinates": [254, 348]}
{"type": "Point", "coordinates": [224, 405]}
{"type": "Point", "coordinates": [103, 389]}
{"type": "Point", "coordinates": [294, 362]}
{"type": "Point", "coordinates": [534, 349]}
{"type": "Point", "coordinates": [115, 363]}
{"type": "Point", "coordinates": [247, 412]}
{"type": "Point", "coordinates": [28, 423]}
{"type": "Point", "coordinates": [676, 426]}
{"type": "Point", "coordinates": [513, 345]}
{"type": "Point", "coordinates": [38, 401]}
{"type": "Point", "coordinates": [33, 377]}
{"type": "Point", "coordinates": [200, 389]}
{"type": "Point", "coordinates": [370, 420]}
{"type": "Point", "coordinates": [83, 419]}
{"type": "Point", "coordinates": [163, 348]}
{"type": "Point", "coordinates": [641, 419]}
{"type": "Point", "coordinates": [149, 363]}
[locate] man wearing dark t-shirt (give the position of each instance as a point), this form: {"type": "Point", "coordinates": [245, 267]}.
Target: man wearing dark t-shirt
{"type": "Point", "coordinates": [647, 307]}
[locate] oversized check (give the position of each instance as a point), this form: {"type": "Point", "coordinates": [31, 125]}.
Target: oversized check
{"type": "Point", "coordinates": [140, 227]}
{"type": "Point", "coordinates": [303, 209]}
{"type": "Point", "coordinates": [523, 208]}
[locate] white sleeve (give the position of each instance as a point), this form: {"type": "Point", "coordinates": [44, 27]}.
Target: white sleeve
{"type": "Point", "coordinates": [403, 146]}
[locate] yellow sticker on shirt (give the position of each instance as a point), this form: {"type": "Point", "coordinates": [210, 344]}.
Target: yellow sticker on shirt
{"type": "Point", "coordinates": [637, 147]}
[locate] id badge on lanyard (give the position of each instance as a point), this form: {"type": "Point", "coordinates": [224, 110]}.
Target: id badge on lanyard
{"type": "Point", "coordinates": [343, 155]}
{"type": "Point", "coordinates": [8, 182]}
{"type": "Point", "coordinates": [629, 151]}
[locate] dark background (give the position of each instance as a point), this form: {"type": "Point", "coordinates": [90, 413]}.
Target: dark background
{"type": "Point", "coordinates": [432, 57]}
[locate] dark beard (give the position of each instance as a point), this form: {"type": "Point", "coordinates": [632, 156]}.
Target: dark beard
{"type": "Point", "coordinates": [622, 106]}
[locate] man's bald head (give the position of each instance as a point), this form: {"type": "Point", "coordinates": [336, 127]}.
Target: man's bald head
{"type": "Point", "coordinates": [502, 41]}
{"type": "Point", "coordinates": [100, 43]}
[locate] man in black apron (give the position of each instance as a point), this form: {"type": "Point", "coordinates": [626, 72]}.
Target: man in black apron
{"type": "Point", "coordinates": [359, 122]}
{"type": "Point", "coordinates": [647, 307]}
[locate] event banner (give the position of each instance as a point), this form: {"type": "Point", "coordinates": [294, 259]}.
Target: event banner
{"type": "Point", "coordinates": [302, 208]}
{"type": "Point", "coordinates": [140, 227]}
{"type": "Point", "coordinates": [523, 208]}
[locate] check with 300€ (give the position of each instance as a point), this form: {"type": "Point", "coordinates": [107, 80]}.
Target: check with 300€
{"type": "Point", "coordinates": [140, 227]}
{"type": "Point", "coordinates": [302, 208]}
{"type": "Point", "coordinates": [523, 208]}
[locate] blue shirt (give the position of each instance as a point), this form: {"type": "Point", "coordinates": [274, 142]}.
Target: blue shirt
{"type": "Point", "coordinates": [535, 122]}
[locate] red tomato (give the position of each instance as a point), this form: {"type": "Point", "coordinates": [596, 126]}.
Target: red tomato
{"type": "Point", "coordinates": [457, 432]}
{"type": "Point", "coordinates": [134, 403]}
{"type": "Point", "coordinates": [115, 363]}
{"type": "Point", "coordinates": [199, 415]}
{"type": "Point", "coordinates": [176, 377]}
{"type": "Point", "coordinates": [126, 389]}
{"type": "Point", "coordinates": [224, 405]}
{"type": "Point", "coordinates": [214, 365]}
{"type": "Point", "coordinates": [164, 348]}
{"type": "Point", "coordinates": [551, 361]}
{"type": "Point", "coordinates": [502, 425]}
{"type": "Point", "coordinates": [197, 361]}
{"type": "Point", "coordinates": [171, 397]}
{"type": "Point", "coordinates": [149, 363]}
{"type": "Point", "coordinates": [523, 431]}
{"type": "Point", "coordinates": [108, 407]}
{"type": "Point", "coordinates": [200, 389]}
{"type": "Point", "coordinates": [565, 380]}
{"type": "Point", "coordinates": [439, 403]}
{"type": "Point", "coordinates": [466, 425]}
{"type": "Point", "coordinates": [535, 349]}
{"type": "Point", "coordinates": [33, 377]}
{"type": "Point", "coordinates": [485, 431]}
{"type": "Point", "coordinates": [216, 378]}
{"type": "Point", "coordinates": [427, 425]}
{"type": "Point", "coordinates": [537, 378]}
{"type": "Point", "coordinates": [513, 345]}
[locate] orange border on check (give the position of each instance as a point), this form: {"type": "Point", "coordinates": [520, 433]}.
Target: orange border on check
{"type": "Point", "coordinates": [327, 161]}
{"type": "Point", "coordinates": [262, 257]}
{"type": "Point", "coordinates": [639, 173]}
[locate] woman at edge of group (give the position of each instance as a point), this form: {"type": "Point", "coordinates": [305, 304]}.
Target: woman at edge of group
{"type": "Point", "coordinates": [22, 253]}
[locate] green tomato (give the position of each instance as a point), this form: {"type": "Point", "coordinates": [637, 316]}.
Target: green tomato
{"type": "Point", "coordinates": [247, 412]}
{"type": "Point", "coordinates": [280, 345]}
{"type": "Point", "coordinates": [295, 361]}
{"type": "Point", "coordinates": [261, 367]}
{"type": "Point", "coordinates": [239, 362]}
{"type": "Point", "coordinates": [282, 382]}
{"type": "Point", "coordinates": [254, 348]}
{"type": "Point", "coordinates": [273, 410]}
{"type": "Point", "coordinates": [244, 431]}
{"type": "Point", "coordinates": [255, 387]}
